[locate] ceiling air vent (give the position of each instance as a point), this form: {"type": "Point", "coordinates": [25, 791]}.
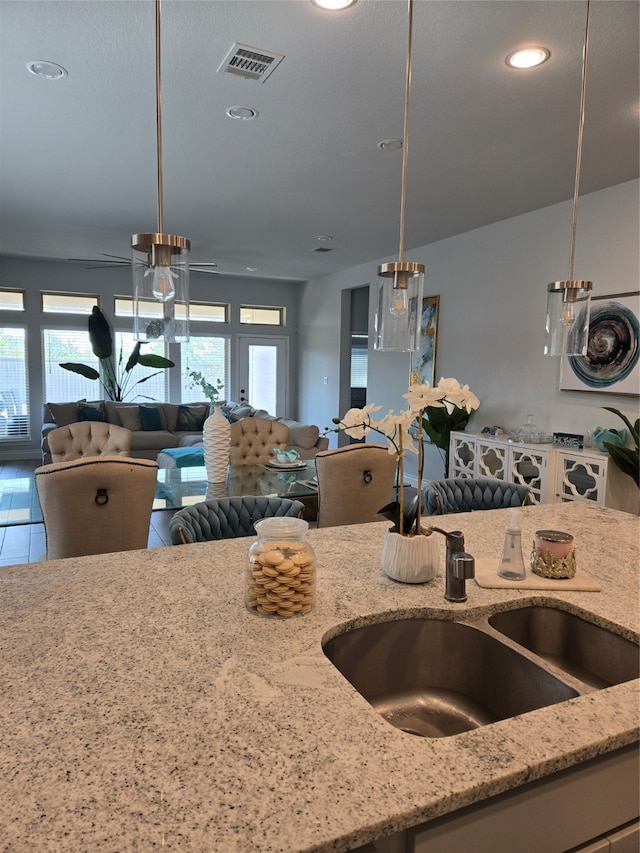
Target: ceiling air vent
{"type": "Point", "coordinates": [322, 249]}
{"type": "Point", "coordinates": [253, 63]}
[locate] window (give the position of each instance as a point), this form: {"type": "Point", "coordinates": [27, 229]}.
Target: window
{"type": "Point", "coordinates": [67, 303]}
{"type": "Point", "coordinates": [359, 361]}
{"type": "Point", "coordinates": [201, 312]}
{"type": "Point", "coordinates": [11, 300]}
{"type": "Point", "coordinates": [63, 386]}
{"type": "Point", "coordinates": [14, 399]}
{"type": "Point", "coordinates": [210, 357]}
{"type": "Point", "coordinates": [149, 308]}
{"type": "Point", "coordinates": [256, 314]}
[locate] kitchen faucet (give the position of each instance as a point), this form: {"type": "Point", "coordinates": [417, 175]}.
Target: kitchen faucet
{"type": "Point", "coordinates": [459, 565]}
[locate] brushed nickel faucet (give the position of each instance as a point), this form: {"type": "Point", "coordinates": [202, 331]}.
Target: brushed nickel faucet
{"type": "Point", "coordinates": [459, 565]}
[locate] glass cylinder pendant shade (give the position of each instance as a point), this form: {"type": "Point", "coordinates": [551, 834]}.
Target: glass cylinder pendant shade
{"type": "Point", "coordinates": [160, 264]}
{"type": "Point", "coordinates": [399, 312]}
{"type": "Point", "coordinates": [567, 320]}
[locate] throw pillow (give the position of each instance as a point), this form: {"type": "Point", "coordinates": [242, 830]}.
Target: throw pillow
{"type": "Point", "coordinates": [91, 411]}
{"type": "Point", "coordinates": [150, 418]}
{"type": "Point", "coordinates": [64, 414]}
{"type": "Point", "coordinates": [190, 418]}
{"type": "Point", "coordinates": [229, 417]}
{"type": "Point", "coordinates": [129, 417]}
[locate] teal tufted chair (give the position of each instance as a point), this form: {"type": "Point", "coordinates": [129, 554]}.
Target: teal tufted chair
{"type": "Point", "coordinates": [227, 518]}
{"type": "Point", "coordinates": [464, 495]}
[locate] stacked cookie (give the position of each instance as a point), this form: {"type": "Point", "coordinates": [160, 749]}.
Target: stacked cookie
{"type": "Point", "coordinates": [281, 578]}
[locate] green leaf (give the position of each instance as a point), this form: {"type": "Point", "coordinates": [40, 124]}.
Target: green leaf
{"type": "Point", "coordinates": [100, 334]}
{"type": "Point", "coordinates": [634, 429]}
{"type": "Point", "coordinates": [392, 512]}
{"type": "Point", "coordinates": [134, 358]}
{"type": "Point", "coordinates": [627, 459]}
{"type": "Point", "coordinates": [82, 369]}
{"type": "Point", "coordinates": [160, 361]}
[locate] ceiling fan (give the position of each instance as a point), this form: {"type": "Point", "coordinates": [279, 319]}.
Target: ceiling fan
{"type": "Point", "coordinates": [118, 261]}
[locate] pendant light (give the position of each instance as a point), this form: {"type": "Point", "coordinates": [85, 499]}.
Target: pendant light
{"type": "Point", "coordinates": [569, 302]}
{"type": "Point", "coordinates": [160, 262]}
{"type": "Point", "coordinates": [400, 283]}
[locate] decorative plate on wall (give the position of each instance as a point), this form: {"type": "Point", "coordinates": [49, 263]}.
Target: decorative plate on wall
{"type": "Point", "coordinates": [612, 362]}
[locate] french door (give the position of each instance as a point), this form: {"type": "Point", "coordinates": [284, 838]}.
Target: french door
{"type": "Point", "coordinates": [262, 369]}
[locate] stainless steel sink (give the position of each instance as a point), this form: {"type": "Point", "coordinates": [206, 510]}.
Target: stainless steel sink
{"type": "Point", "coordinates": [437, 678]}
{"type": "Point", "coordinates": [586, 651]}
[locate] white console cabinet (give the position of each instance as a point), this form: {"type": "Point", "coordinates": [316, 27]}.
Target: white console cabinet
{"type": "Point", "coordinates": [554, 474]}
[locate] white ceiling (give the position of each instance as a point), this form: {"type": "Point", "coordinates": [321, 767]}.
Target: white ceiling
{"type": "Point", "coordinates": [78, 156]}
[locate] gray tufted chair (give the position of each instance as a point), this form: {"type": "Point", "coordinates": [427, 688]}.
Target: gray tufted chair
{"type": "Point", "coordinates": [253, 440]}
{"type": "Point", "coordinates": [227, 518]}
{"type": "Point", "coordinates": [464, 495]}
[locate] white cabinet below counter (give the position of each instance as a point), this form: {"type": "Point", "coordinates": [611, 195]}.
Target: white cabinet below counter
{"type": "Point", "coordinates": [554, 474]}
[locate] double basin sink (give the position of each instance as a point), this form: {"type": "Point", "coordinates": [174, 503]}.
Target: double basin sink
{"type": "Point", "coordinates": [435, 678]}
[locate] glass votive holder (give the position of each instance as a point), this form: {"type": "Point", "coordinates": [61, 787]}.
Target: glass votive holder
{"type": "Point", "coordinates": [553, 555]}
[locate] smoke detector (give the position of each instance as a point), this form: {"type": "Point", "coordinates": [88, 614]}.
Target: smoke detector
{"type": "Point", "coordinates": [253, 63]}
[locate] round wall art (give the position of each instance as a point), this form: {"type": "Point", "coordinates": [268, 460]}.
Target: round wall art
{"type": "Point", "coordinates": [611, 362]}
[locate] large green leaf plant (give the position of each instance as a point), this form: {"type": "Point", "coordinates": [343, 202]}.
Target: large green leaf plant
{"type": "Point", "coordinates": [626, 458]}
{"type": "Point", "coordinates": [114, 377]}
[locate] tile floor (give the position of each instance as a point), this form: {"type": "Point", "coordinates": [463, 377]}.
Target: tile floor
{"type": "Point", "coordinates": [25, 543]}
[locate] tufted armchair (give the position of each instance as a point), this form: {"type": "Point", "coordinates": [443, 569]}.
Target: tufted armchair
{"type": "Point", "coordinates": [227, 518]}
{"type": "Point", "coordinates": [464, 495]}
{"type": "Point", "coordinates": [88, 438]}
{"type": "Point", "coordinates": [253, 440]}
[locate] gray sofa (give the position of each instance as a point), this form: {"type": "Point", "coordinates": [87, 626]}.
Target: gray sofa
{"type": "Point", "coordinates": [162, 425]}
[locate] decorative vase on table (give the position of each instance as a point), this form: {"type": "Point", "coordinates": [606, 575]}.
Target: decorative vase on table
{"type": "Point", "coordinates": [216, 438]}
{"type": "Point", "coordinates": [409, 559]}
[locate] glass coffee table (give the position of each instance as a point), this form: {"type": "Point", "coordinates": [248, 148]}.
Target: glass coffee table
{"type": "Point", "coordinates": [178, 487]}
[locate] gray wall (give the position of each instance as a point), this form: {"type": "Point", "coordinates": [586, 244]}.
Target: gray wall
{"type": "Point", "coordinates": [34, 276]}
{"type": "Point", "coordinates": [492, 287]}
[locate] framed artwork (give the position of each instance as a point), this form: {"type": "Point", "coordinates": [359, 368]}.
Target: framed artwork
{"type": "Point", "coordinates": [611, 364]}
{"type": "Point", "coordinates": [423, 362]}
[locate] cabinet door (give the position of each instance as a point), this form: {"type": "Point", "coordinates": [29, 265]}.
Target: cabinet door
{"type": "Point", "coordinates": [462, 455]}
{"type": "Point", "coordinates": [581, 478]}
{"type": "Point", "coordinates": [491, 459]}
{"type": "Point", "coordinates": [528, 467]}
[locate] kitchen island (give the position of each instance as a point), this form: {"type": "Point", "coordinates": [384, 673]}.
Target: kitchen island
{"type": "Point", "coordinates": [142, 707]}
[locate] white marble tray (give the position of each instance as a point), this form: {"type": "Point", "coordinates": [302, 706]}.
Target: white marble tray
{"type": "Point", "coordinates": [487, 576]}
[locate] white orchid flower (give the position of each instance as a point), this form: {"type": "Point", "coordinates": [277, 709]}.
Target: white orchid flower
{"type": "Point", "coordinates": [471, 402]}
{"type": "Point", "coordinates": [357, 423]}
{"type": "Point", "coordinates": [421, 396]}
{"type": "Point", "coordinates": [394, 426]}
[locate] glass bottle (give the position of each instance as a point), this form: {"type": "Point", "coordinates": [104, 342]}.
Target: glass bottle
{"type": "Point", "coordinates": [511, 565]}
{"type": "Point", "coordinates": [280, 579]}
{"type": "Point", "coordinates": [530, 434]}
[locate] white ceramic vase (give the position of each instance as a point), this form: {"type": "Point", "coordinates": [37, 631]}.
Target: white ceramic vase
{"type": "Point", "coordinates": [216, 438]}
{"type": "Point", "coordinates": [410, 559]}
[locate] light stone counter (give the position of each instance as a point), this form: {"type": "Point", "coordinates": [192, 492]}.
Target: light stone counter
{"type": "Point", "coordinates": [142, 707]}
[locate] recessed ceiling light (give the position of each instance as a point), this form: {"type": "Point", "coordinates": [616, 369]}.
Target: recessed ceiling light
{"type": "Point", "coordinates": [48, 70]}
{"type": "Point", "coordinates": [528, 57]}
{"type": "Point", "coordinates": [324, 237]}
{"type": "Point", "coordinates": [244, 113]}
{"type": "Point", "coordinates": [251, 269]}
{"type": "Point", "coordinates": [333, 5]}
{"type": "Point", "coordinates": [390, 144]}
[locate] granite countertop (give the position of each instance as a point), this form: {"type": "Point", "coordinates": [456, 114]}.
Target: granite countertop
{"type": "Point", "coordinates": [143, 707]}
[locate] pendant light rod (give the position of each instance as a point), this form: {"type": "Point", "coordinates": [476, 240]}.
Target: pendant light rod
{"type": "Point", "coordinates": [159, 114]}
{"type": "Point", "coordinates": [583, 94]}
{"type": "Point", "coordinates": [405, 140]}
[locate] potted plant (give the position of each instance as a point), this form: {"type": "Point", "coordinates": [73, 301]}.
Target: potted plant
{"type": "Point", "coordinates": [626, 458]}
{"type": "Point", "coordinates": [210, 390]}
{"type": "Point", "coordinates": [401, 560]}
{"type": "Point", "coordinates": [113, 377]}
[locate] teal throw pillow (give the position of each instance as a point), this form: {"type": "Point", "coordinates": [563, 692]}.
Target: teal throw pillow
{"type": "Point", "coordinates": [150, 418]}
{"type": "Point", "coordinates": [190, 418]}
{"type": "Point", "coordinates": [89, 412]}
{"type": "Point", "coordinates": [229, 417]}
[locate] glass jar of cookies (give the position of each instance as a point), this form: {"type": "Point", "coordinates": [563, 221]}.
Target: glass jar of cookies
{"type": "Point", "coordinates": [281, 571]}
